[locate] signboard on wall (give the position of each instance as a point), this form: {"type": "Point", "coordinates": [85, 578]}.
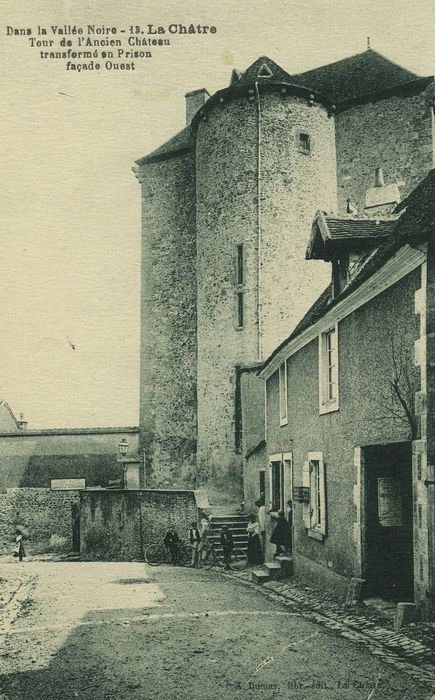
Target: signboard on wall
{"type": "Point", "coordinates": [390, 509]}
{"type": "Point", "coordinates": [67, 484]}
{"type": "Point", "coordinates": [301, 494]}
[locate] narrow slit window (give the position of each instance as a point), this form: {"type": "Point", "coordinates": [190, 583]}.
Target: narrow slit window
{"type": "Point", "coordinates": [240, 309]}
{"type": "Point", "coordinates": [240, 264]}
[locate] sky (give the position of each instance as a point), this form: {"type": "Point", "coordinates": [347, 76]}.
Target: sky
{"type": "Point", "coordinates": [70, 225]}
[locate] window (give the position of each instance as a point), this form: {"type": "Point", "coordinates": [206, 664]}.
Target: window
{"type": "Point", "coordinates": [283, 419]}
{"type": "Point", "coordinates": [280, 480]}
{"type": "Point", "coordinates": [315, 510]}
{"type": "Point", "coordinates": [328, 370]}
{"type": "Point", "coordinates": [304, 143]}
{"type": "Point", "coordinates": [240, 309]}
{"type": "Point", "coordinates": [239, 280]}
{"type": "Point", "coordinates": [240, 264]}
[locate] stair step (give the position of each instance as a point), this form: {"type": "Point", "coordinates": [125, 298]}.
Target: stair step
{"type": "Point", "coordinates": [272, 566]}
{"type": "Point", "coordinates": [283, 558]}
{"type": "Point", "coordinates": [260, 576]}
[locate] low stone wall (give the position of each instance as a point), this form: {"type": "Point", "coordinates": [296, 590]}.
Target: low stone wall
{"type": "Point", "coordinates": [119, 525]}
{"type": "Point", "coordinates": [46, 514]}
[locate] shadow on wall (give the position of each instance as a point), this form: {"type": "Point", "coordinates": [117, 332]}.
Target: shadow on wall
{"type": "Point", "coordinates": [98, 470]}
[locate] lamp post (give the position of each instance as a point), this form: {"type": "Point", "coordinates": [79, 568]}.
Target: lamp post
{"type": "Point", "coordinates": [123, 449]}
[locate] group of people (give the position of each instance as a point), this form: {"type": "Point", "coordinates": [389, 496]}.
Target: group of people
{"type": "Point", "coordinates": [199, 539]}
{"type": "Point", "coordinates": [281, 536]}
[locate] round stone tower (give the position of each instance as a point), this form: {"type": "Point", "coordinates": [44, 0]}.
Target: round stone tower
{"type": "Point", "coordinates": [265, 163]}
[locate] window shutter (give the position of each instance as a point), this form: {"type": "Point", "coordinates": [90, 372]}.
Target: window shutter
{"type": "Point", "coordinates": [306, 483]}
{"type": "Point", "coordinates": [322, 490]}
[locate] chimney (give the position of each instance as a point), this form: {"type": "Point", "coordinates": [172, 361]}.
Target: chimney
{"type": "Point", "coordinates": [379, 177]}
{"type": "Point", "coordinates": [381, 199]}
{"type": "Point", "coordinates": [194, 101]}
{"type": "Point", "coordinates": [22, 424]}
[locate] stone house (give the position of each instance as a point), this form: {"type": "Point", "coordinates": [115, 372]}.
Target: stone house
{"type": "Point", "coordinates": [226, 206]}
{"type": "Point", "coordinates": [349, 429]}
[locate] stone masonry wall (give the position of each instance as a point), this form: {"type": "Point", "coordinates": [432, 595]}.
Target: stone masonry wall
{"type": "Point", "coordinates": [168, 321]}
{"type": "Point", "coordinates": [46, 514]}
{"type": "Point", "coordinates": [119, 525]}
{"type": "Point", "coordinates": [292, 186]}
{"type": "Point", "coordinates": [395, 133]}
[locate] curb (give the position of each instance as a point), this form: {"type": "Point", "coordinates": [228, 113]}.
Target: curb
{"type": "Point", "coordinates": [395, 649]}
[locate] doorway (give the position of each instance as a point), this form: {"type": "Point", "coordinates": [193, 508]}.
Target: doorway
{"type": "Point", "coordinates": [388, 521]}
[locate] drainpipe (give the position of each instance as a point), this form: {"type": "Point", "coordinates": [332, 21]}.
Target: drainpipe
{"type": "Point", "coordinates": [259, 348]}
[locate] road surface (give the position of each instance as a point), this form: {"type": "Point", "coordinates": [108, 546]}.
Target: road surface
{"type": "Point", "coordinates": [124, 630]}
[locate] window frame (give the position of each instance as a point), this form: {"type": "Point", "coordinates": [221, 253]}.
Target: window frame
{"type": "Point", "coordinates": [239, 283]}
{"type": "Point", "coordinates": [304, 143]}
{"type": "Point", "coordinates": [328, 371]}
{"type": "Point", "coordinates": [283, 394]}
{"type": "Point", "coordinates": [315, 511]}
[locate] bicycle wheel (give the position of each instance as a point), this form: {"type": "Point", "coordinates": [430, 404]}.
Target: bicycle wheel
{"type": "Point", "coordinates": [209, 559]}
{"type": "Point", "coordinates": [185, 554]}
{"type": "Point", "coordinates": [155, 555]}
{"type": "Point", "coordinates": [238, 560]}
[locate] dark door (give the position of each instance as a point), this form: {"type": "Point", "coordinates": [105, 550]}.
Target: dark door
{"type": "Point", "coordinates": [262, 475]}
{"type": "Point", "coordinates": [389, 526]}
{"type": "Point", "coordinates": [75, 516]}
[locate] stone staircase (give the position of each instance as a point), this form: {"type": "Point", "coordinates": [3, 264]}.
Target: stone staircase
{"type": "Point", "coordinates": [236, 522]}
{"type": "Point", "coordinates": [280, 567]}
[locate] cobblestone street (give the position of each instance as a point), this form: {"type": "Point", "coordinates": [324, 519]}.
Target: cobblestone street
{"type": "Point", "coordinates": [123, 630]}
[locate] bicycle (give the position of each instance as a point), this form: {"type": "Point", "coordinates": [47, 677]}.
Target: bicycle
{"type": "Point", "coordinates": [157, 554]}
{"type": "Point", "coordinates": [211, 557]}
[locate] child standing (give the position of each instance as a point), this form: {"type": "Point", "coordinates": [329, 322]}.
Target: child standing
{"type": "Point", "coordinates": [19, 545]}
{"type": "Point", "coordinates": [227, 545]}
{"type": "Point", "coordinates": [171, 542]}
{"type": "Point", "coordinates": [194, 539]}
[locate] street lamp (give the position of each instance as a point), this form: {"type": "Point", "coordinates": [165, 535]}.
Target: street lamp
{"type": "Point", "coordinates": [123, 447]}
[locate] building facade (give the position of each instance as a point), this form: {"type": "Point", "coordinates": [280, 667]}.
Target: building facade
{"type": "Point", "coordinates": [349, 431]}
{"type": "Point", "coordinates": [226, 206]}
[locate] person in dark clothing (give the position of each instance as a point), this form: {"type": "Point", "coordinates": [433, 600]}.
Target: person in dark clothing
{"type": "Point", "coordinates": [289, 516]}
{"type": "Point", "coordinates": [194, 539]}
{"type": "Point", "coordinates": [255, 553]}
{"type": "Point", "coordinates": [227, 545]}
{"type": "Point", "coordinates": [19, 545]}
{"type": "Point", "coordinates": [280, 535]}
{"type": "Point", "coordinates": [171, 542]}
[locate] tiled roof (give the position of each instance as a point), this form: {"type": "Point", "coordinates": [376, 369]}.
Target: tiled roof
{"type": "Point", "coordinates": [329, 230]}
{"type": "Point", "coordinates": [356, 76]}
{"type": "Point", "coordinates": [178, 143]}
{"type": "Point", "coordinates": [416, 223]}
{"type": "Point", "coordinates": [359, 228]}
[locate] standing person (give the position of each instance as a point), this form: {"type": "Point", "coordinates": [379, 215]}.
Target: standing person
{"type": "Point", "coordinates": [171, 542]}
{"type": "Point", "coordinates": [261, 515]}
{"type": "Point", "coordinates": [255, 553]}
{"type": "Point", "coordinates": [19, 545]}
{"type": "Point", "coordinates": [280, 534]}
{"type": "Point", "coordinates": [227, 543]}
{"type": "Point", "coordinates": [289, 516]}
{"type": "Point", "coordinates": [194, 539]}
{"type": "Point", "coordinates": [204, 531]}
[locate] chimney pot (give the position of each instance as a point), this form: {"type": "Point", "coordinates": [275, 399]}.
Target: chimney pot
{"type": "Point", "coordinates": [194, 101]}
{"type": "Point", "coordinates": [379, 177]}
